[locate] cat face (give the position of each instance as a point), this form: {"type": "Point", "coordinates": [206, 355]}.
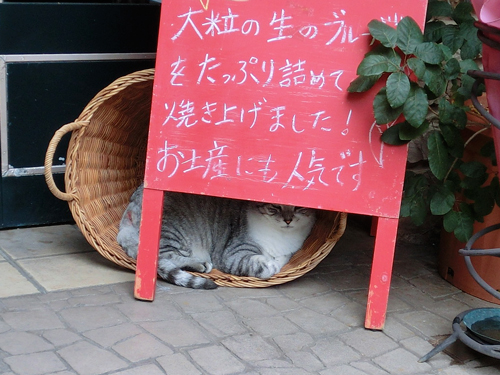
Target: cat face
{"type": "Point", "coordinates": [286, 217]}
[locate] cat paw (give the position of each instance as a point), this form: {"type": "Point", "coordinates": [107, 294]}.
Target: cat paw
{"type": "Point", "coordinates": [263, 267]}
{"type": "Point", "coordinates": [202, 267]}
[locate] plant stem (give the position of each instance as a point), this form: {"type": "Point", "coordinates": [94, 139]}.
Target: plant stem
{"type": "Point", "coordinates": [465, 145]}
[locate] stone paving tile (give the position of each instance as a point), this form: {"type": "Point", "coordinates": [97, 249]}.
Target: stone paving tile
{"type": "Point", "coordinates": [197, 303]}
{"type": "Point", "coordinates": [368, 368]}
{"type": "Point", "coordinates": [94, 300]}
{"type": "Point", "coordinates": [421, 347]}
{"type": "Point", "coordinates": [448, 308]}
{"type": "Point", "coordinates": [332, 351]}
{"type": "Point", "coordinates": [283, 371]}
{"type": "Point", "coordinates": [368, 343]}
{"type": "Point", "coordinates": [426, 322]}
{"type": "Point", "coordinates": [177, 364]}
{"type": "Point", "coordinates": [401, 361]}
{"type": "Point", "coordinates": [140, 370]}
{"type": "Point", "coordinates": [107, 337]}
{"type": "Point", "coordinates": [351, 314]}
{"type": "Point", "coordinates": [27, 303]}
{"type": "Point", "coordinates": [306, 287]}
{"type": "Point", "coordinates": [17, 283]}
{"type": "Point", "coordinates": [294, 342]}
{"type": "Point", "coordinates": [250, 348]}
{"type": "Point", "coordinates": [272, 326]}
{"type": "Point", "coordinates": [143, 311]}
{"type": "Point", "coordinates": [220, 323]}
{"type": "Point", "coordinates": [177, 333]}
{"type": "Point", "coordinates": [397, 330]}
{"type": "Point", "coordinates": [434, 286]}
{"type": "Point", "coordinates": [325, 303]}
{"type": "Point", "coordinates": [274, 363]}
{"type": "Point", "coordinates": [283, 304]}
{"type": "Point", "coordinates": [306, 360]}
{"type": "Point", "coordinates": [88, 359]}
{"type": "Point", "coordinates": [141, 347]}
{"type": "Point", "coordinates": [32, 320]}
{"type": "Point", "coordinates": [344, 370]}
{"type": "Point", "coordinates": [59, 337]}
{"type": "Point", "coordinates": [16, 343]}
{"type": "Point", "coordinates": [216, 360]}
{"type": "Point", "coordinates": [86, 318]}
{"type": "Point", "coordinates": [230, 294]}
{"type": "Point", "coordinates": [251, 308]}
{"type": "Point", "coordinates": [35, 363]}
{"type": "Point", "coordinates": [315, 323]}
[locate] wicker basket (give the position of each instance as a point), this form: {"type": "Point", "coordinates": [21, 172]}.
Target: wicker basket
{"type": "Point", "coordinates": [105, 164]}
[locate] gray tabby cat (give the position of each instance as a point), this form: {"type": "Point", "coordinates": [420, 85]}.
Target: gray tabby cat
{"type": "Point", "coordinates": [237, 237]}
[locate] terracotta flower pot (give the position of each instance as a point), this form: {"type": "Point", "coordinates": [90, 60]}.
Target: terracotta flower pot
{"type": "Point", "coordinates": [451, 264]}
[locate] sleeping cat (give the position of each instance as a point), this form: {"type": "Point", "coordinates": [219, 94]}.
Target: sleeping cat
{"type": "Point", "coordinates": [237, 237]}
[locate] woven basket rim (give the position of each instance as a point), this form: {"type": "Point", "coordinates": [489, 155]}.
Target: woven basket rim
{"type": "Point", "coordinates": [90, 232]}
{"type": "Point", "coordinates": [332, 223]}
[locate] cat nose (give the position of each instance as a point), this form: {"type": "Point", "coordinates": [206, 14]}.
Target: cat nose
{"type": "Point", "coordinates": [287, 221]}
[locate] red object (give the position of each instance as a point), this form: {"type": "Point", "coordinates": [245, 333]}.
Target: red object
{"type": "Point", "coordinates": [250, 102]}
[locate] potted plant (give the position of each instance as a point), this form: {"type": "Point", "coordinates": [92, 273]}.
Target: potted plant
{"type": "Point", "coordinates": [423, 99]}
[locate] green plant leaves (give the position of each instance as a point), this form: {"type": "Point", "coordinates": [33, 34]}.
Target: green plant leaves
{"type": "Point", "coordinates": [363, 83]}
{"type": "Point", "coordinates": [414, 203]}
{"type": "Point", "coordinates": [460, 223]}
{"type": "Point", "coordinates": [401, 133]}
{"type": "Point", "coordinates": [407, 132]}
{"type": "Point", "coordinates": [451, 69]}
{"type": "Point", "coordinates": [426, 81]}
{"type": "Point", "coordinates": [434, 80]}
{"type": "Point", "coordinates": [373, 65]}
{"type": "Point", "coordinates": [439, 9]}
{"type": "Point", "coordinates": [429, 52]}
{"type": "Point", "coordinates": [416, 106]}
{"type": "Point", "coordinates": [442, 200]}
{"type": "Point", "coordinates": [417, 66]}
{"type": "Point", "coordinates": [453, 139]}
{"type": "Point", "coordinates": [434, 31]}
{"type": "Point", "coordinates": [452, 114]}
{"type": "Point", "coordinates": [383, 33]}
{"type": "Point", "coordinates": [463, 13]}
{"type": "Point", "coordinates": [391, 136]}
{"type": "Point", "coordinates": [467, 81]}
{"type": "Point", "coordinates": [473, 169]}
{"type": "Point", "coordinates": [472, 45]}
{"type": "Point", "coordinates": [439, 159]}
{"type": "Point", "coordinates": [397, 89]}
{"type": "Point", "coordinates": [451, 38]}
{"type": "Point", "coordinates": [409, 35]}
{"type": "Point", "coordinates": [382, 110]}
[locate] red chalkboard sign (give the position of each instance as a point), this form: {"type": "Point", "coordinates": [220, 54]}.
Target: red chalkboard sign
{"type": "Point", "coordinates": [250, 102]}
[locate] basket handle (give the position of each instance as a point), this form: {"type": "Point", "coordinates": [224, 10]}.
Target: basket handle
{"type": "Point", "coordinates": [49, 157]}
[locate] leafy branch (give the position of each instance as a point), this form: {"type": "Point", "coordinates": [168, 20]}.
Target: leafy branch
{"type": "Point", "coordinates": [425, 88]}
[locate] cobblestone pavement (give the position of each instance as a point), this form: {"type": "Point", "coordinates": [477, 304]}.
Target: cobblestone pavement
{"type": "Point", "coordinates": [313, 325]}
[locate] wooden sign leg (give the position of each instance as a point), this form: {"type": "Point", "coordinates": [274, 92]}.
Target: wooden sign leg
{"type": "Point", "coordinates": [149, 241]}
{"type": "Point", "coordinates": [380, 280]}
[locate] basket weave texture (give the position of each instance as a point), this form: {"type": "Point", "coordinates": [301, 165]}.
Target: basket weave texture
{"type": "Point", "coordinates": [105, 164]}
